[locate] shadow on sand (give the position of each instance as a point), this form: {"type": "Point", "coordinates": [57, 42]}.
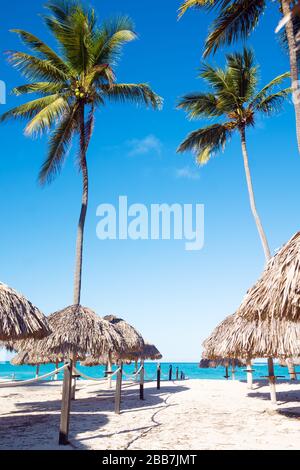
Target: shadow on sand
{"type": "Point", "coordinates": [88, 414]}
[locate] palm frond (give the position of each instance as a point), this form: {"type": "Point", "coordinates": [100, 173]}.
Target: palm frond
{"type": "Point", "coordinates": [236, 20]}
{"type": "Point", "coordinates": [263, 93]}
{"type": "Point", "coordinates": [242, 74]}
{"type": "Point", "coordinates": [43, 49]}
{"type": "Point", "coordinates": [207, 141]}
{"type": "Point", "coordinates": [35, 68]}
{"type": "Point", "coordinates": [273, 103]}
{"type": "Point", "coordinates": [199, 105]}
{"type": "Point", "coordinates": [137, 93]}
{"type": "Point", "coordinates": [40, 88]}
{"type": "Point", "coordinates": [47, 116]}
{"type": "Point", "coordinates": [110, 39]}
{"type": "Point", "coordinates": [28, 110]}
{"type": "Point", "coordinates": [59, 145]}
{"type": "Point", "coordinates": [190, 4]}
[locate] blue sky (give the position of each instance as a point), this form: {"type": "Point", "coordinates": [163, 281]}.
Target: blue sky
{"type": "Point", "coordinates": [174, 297]}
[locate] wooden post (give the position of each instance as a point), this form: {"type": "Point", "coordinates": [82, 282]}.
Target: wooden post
{"type": "Point", "coordinates": [249, 374]}
{"type": "Point", "coordinates": [272, 380]}
{"type": "Point", "coordinates": [142, 380]}
{"type": "Point", "coordinates": [56, 367]}
{"type": "Point", "coordinates": [170, 372]}
{"type": "Point", "coordinates": [226, 373]}
{"type": "Point", "coordinates": [136, 368]}
{"type": "Point", "coordinates": [233, 369]}
{"type": "Point", "coordinates": [66, 405]}
{"type": "Point", "coordinates": [158, 376]}
{"type": "Point", "coordinates": [119, 389]}
{"type": "Point", "coordinates": [109, 371]}
{"type": "Point", "coordinates": [291, 369]}
{"type": "Point", "coordinates": [37, 371]}
{"type": "Point", "coordinates": [177, 373]}
{"type": "Point", "coordinates": [73, 390]}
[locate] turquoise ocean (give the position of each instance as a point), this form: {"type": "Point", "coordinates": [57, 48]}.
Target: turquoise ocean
{"type": "Point", "coordinates": [191, 371]}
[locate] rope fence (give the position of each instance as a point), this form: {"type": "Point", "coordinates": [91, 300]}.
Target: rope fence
{"type": "Point", "coordinates": [87, 377]}
{"type": "Point", "coordinates": [31, 381]}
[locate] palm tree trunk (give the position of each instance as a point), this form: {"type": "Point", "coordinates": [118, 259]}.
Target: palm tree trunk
{"type": "Point", "coordinates": [84, 205]}
{"type": "Point", "coordinates": [294, 66]}
{"type": "Point", "coordinates": [252, 198]}
{"type": "Point", "coordinates": [263, 241]}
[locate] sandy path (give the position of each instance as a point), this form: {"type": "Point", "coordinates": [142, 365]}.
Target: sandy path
{"type": "Point", "coordinates": [197, 414]}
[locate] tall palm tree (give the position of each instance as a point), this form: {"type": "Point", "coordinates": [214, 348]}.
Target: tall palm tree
{"type": "Point", "coordinates": [237, 19]}
{"type": "Point", "coordinates": [233, 96]}
{"type": "Point", "coordinates": [69, 86]}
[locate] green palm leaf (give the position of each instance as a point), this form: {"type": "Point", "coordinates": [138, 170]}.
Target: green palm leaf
{"type": "Point", "coordinates": [47, 116]}
{"type": "Point", "coordinates": [136, 93]}
{"type": "Point", "coordinates": [59, 145]}
{"type": "Point", "coordinates": [236, 20]}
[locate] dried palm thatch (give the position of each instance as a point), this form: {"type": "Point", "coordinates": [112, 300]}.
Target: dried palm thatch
{"type": "Point", "coordinates": [276, 294]}
{"type": "Point", "coordinates": [238, 337]}
{"type": "Point", "coordinates": [77, 332]}
{"type": "Point", "coordinates": [97, 361]}
{"type": "Point", "coordinates": [148, 352]}
{"type": "Point", "coordinates": [32, 359]}
{"type": "Point", "coordinates": [206, 363]}
{"type": "Point", "coordinates": [133, 340]}
{"type": "Point", "coordinates": [19, 318]}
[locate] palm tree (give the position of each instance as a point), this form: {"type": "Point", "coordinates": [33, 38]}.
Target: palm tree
{"type": "Point", "coordinates": [237, 19]}
{"type": "Point", "coordinates": [70, 85]}
{"type": "Point", "coordinates": [233, 96]}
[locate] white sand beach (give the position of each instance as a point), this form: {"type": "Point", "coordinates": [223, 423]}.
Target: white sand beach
{"type": "Point", "coordinates": [192, 415]}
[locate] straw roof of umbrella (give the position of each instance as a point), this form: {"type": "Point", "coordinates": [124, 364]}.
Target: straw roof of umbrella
{"type": "Point", "coordinates": [276, 294]}
{"type": "Point", "coordinates": [76, 332]}
{"type": "Point", "coordinates": [32, 359]}
{"type": "Point", "coordinates": [133, 340]}
{"type": "Point", "coordinates": [148, 352]}
{"type": "Point", "coordinates": [19, 318]}
{"type": "Point", "coordinates": [236, 337]}
{"type": "Point", "coordinates": [206, 363]}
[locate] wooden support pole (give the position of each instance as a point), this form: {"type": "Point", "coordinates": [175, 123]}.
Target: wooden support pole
{"type": "Point", "coordinates": [119, 389]}
{"type": "Point", "coordinates": [170, 373]}
{"type": "Point", "coordinates": [233, 369]}
{"type": "Point", "coordinates": [272, 380]}
{"type": "Point", "coordinates": [56, 367]}
{"type": "Point", "coordinates": [249, 374]}
{"type": "Point", "coordinates": [142, 380]}
{"type": "Point", "coordinates": [136, 368]}
{"type": "Point", "coordinates": [109, 370]}
{"type": "Point", "coordinates": [73, 390]}
{"type": "Point", "coordinates": [158, 376]}
{"type": "Point", "coordinates": [177, 373]}
{"type": "Point", "coordinates": [291, 369]}
{"type": "Point", "coordinates": [37, 373]}
{"type": "Point", "coordinates": [226, 373]}
{"type": "Point", "coordinates": [66, 405]}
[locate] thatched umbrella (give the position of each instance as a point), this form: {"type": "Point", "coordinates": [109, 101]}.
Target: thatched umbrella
{"type": "Point", "coordinates": [207, 363]}
{"type": "Point", "coordinates": [276, 294]}
{"type": "Point", "coordinates": [132, 338]}
{"type": "Point", "coordinates": [19, 318]}
{"type": "Point", "coordinates": [147, 352]}
{"type": "Point", "coordinates": [77, 332]}
{"type": "Point", "coordinates": [239, 337]}
{"type": "Point", "coordinates": [32, 359]}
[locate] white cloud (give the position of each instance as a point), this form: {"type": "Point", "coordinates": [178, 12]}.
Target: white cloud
{"type": "Point", "coordinates": [187, 173]}
{"type": "Point", "coordinates": [150, 144]}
